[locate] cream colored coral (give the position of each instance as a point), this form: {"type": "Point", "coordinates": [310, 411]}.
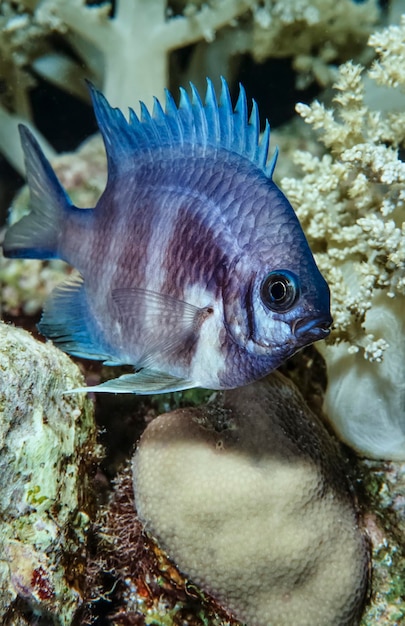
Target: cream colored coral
{"type": "Point", "coordinates": [297, 28]}
{"type": "Point", "coordinates": [351, 202]}
{"type": "Point", "coordinates": [389, 69]}
{"type": "Point", "coordinates": [116, 48]}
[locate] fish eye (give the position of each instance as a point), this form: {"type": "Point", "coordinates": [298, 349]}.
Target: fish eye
{"type": "Point", "coordinates": [280, 290]}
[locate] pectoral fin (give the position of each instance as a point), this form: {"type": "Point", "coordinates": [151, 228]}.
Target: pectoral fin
{"type": "Point", "coordinates": [169, 325]}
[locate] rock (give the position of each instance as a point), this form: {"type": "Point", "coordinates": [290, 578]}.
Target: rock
{"type": "Point", "coordinates": [47, 446]}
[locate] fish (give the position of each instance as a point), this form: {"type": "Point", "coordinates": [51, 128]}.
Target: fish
{"type": "Point", "coordinates": [192, 267]}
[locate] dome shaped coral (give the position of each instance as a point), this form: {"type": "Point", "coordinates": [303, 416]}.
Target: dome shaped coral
{"type": "Point", "coordinates": [251, 501]}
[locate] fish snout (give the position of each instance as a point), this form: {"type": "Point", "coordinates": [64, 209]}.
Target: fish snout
{"type": "Point", "coordinates": [312, 329]}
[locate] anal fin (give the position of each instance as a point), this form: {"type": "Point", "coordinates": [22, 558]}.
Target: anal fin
{"type": "Point", "coordinates": [143, 382]}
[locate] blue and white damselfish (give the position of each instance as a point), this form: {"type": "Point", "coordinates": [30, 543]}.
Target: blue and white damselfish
{"type": "Point", "coordinates": [193, 266]}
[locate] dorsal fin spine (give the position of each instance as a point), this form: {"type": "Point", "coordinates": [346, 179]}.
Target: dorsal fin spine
{"type": "Point", "coordinates": [133, 118]}
{"type": "Point", "coordinates": [176, 129]}
{"type": "Point", "coordinates": [185, 115]}
{"type": "Point", "coordinates": [162, 121]}
{"type": "Point", "coordinates": [241, 111]}
{"type": "Point", "coordinates": [200, 119]}
{"type": "Point", "coordinates": [214, 123]}
{"type": "Point", "coordinates": [211, 112]}
{"type": "Point", "coordinates": [272, 164]}
{"type": "Point", "coordinates": [149, 125]}
{"type": "Point", "coordinates": [263, 147]}
{"type": "Point", "coordinates": [146, 117]}
{"type": "Point", "coordinates": [254, 127]}
{"type": "Point", "coordinates": [226, 115]}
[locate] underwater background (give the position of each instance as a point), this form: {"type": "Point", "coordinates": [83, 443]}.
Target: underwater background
{"type": "Point", "coordinates": [330, 77]}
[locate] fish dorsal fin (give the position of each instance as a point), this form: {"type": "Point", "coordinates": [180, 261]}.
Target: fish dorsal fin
{"type": "Point", "coordinates": [214, 123]}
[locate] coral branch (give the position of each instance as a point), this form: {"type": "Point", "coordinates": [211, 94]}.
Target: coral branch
{"type": "Point", "coordinates": [184, 30]}
{"type": "Point", "coordinates": [91, 22]}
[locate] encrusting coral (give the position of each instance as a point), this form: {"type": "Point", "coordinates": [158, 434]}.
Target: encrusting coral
{"type": "Point", "coordinates": [47, 448]}
{"type": "Point", "coordinates": [132, 582]}
{"type": "Point", "coordinates": [351, 202]}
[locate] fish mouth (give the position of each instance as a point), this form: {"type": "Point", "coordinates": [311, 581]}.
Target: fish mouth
{"type": "Point", "coordinates": [313, 329]}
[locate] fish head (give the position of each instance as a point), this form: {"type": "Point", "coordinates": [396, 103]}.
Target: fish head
{"type": "Point", "coordinates": [291, 308]}
{"type": "Point", "coordinates": [279, 311]}
{"type": "Point", "coordinates": [277, 300]}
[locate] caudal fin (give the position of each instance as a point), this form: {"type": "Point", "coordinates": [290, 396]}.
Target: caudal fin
{"type": "Point", "coordinates": [36, 236]}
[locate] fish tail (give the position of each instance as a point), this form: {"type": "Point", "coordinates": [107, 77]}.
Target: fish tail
{"type": "Point", "coordinates": [37, 235]}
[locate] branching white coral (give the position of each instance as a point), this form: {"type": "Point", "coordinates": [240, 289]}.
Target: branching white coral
{"type": "Point", "coordinates": [125, 53]}
{"type": "Point", "coordinates": [390, 46]}
{"type": "Point", "coordinates": [314, 34]}
{"type": "Point", "coordinates": [21, 40]}
{"type": "Point", "coordinates": [297, 28]}
{"type": "Point", "coordinates": [125, 50]}
{"type": "Point", "coordinates": [351, 202]}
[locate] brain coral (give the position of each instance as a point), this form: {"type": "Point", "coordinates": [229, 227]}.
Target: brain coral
{"type": "Point", "coordinates": [251, 502]}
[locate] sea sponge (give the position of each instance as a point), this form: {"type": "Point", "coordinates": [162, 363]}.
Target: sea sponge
{"type": "Point", "coordinates": [251, 501]}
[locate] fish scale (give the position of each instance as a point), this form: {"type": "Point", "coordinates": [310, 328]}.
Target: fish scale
{"type": "Point", "coordinates": [193, 267]}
